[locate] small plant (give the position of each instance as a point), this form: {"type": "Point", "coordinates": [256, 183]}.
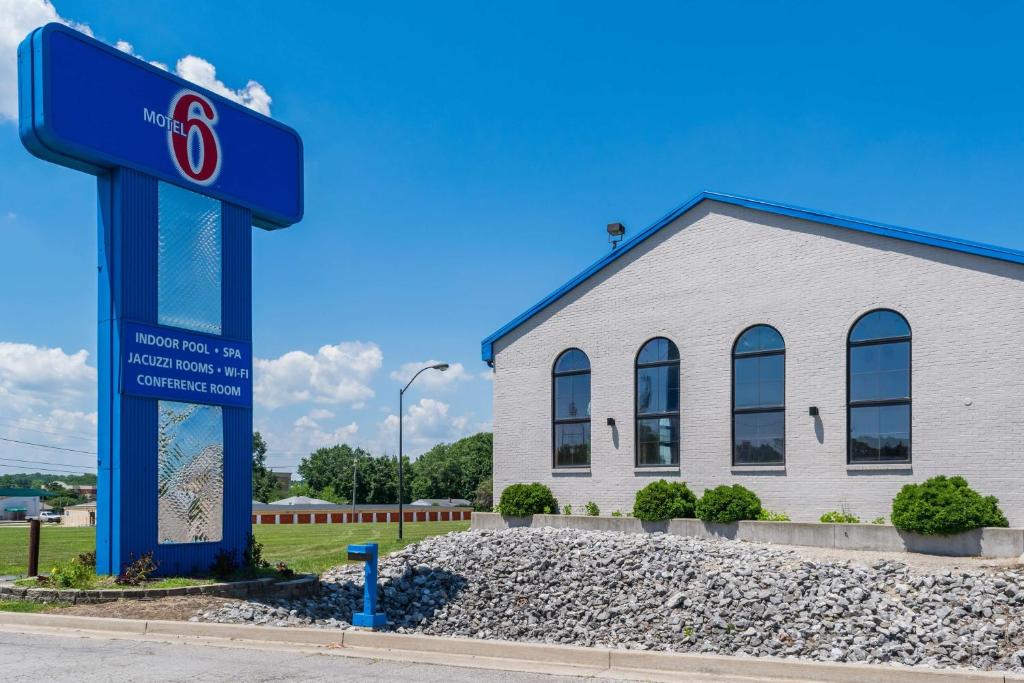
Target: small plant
{"type": "Point", "coordinates": [837, 517]}
{"type": "Point", "coordinates": [72, 573]}
{"type": "Point", "coordinates": [592, 509]}
{"type": "Point", "coordinates": [137, 570]}
{"type": "Point", "coordinates": [88, 559]}
{"type": "Point", "coordinates": [252, 557]}
{"type": "Point", "coordinates": [727, 504]}
{"type": "Point", "coordinates": [224, 565]}
{"type": "Point", "coordinates": [943, 506]}
{"type": "Point", "coordinates": [769, 516]}
{"type": "Point", "coordinates": [567, 510]}
{"type": "Point", "coordinates": [523, 500]}
{"type": "Point", "coordinates": [616, 513]}
{"type": "Point", "coordinates": [878, 521]}
{"type": "Point", "coordinates": [661, 500]}
{"type": "Point", "coordinates": [688, 631]}
{"type": "Point", "coordinates": [284, 570]}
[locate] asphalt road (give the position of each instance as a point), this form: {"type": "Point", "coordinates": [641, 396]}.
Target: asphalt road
{"type": "Point", "coordinates": [36, 657]}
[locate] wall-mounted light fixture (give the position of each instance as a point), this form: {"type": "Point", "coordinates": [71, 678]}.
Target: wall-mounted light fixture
{"type": "Point", "coordinates": [611, 422]}
{"type": "Point", "coordinates": [813, 411]}
{"type": "Point", "coordinates": [616, 231]}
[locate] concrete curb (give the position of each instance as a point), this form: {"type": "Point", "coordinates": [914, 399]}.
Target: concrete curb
{"type": "Point", "coordinates": [518, 656]}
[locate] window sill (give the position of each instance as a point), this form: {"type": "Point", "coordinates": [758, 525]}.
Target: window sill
{"type": "Point", "coordinates": [742, 469]}
{"type": "Point", "coordinates": [570, 471]}
{"type": "Point", "coordinates": [668, 469]}
{"type": "Point", "coordinates": [876, 466]}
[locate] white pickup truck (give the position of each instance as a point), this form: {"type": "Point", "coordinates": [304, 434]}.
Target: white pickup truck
{"type": "Point", "coordinates": [48, 516]}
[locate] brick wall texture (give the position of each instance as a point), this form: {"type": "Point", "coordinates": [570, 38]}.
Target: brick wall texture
{"type": "Point", "coordinates": [714, 272]}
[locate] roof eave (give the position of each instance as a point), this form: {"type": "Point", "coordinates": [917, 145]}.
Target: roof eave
{"type": "Point", "coordinates": [895, 232]}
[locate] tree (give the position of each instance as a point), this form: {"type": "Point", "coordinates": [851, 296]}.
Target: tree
{"type": "Point", "coordinates": [483, 499]}
{"type": "Point", "coordinates": [264, 483]}
{"type": "Point", "coordinates": [454, 470]}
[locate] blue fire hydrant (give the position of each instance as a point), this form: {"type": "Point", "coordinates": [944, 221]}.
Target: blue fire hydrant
{"type": "Point", "coordinates": [369, 617]}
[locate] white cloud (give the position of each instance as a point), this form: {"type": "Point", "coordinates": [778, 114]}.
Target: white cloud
{"type": "Point", "coordinates": [47, 396]}
{"type": "Point", "coordinates": [19, 17]}
{"type": "Point", "coordinates": [125, 46]}
{"type": "Point", "coordinates": [202, 72]}
{"type": "Point", "coordinates": [431, 379]}
{"type": "Point", "coordinates": [426, 424]}
{"type": "Point", "coordinates": [320, 414]}
{"type": "Point", "coordinates": [487, 375]}
{"type": "Point", "coordinates": [336, 374]}
{"type": "Point", "coordinates": [36, 375]}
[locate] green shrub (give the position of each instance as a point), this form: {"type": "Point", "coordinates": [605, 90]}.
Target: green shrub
{"type": "Point", "coordinates": [523, 500]}
{"type": "Point", "coordinates": [137, 571]}
{"type": "Point", "coordinates": [727, 504]}
{"type": "Point", "coordinates": [224, 565]}
{"type": "Point", "coordinates": [567, 510]}
{"type": "Point", "coordinates": [592, 509]}
{"type": "Point", "coordinates": [616, 513]}
{"type": "Point", "coordinates": [769, 516]}
{"type": "Point", "coordinates": [878, 521]}
{"type": "Point", "coordinates": [944, 505]}
{"type": "Point", "coordinates": [837, 517]}
{"type": "Point", "coordinates": [661, 500]}
{"type": "Point", "coordinates": [73, 573]}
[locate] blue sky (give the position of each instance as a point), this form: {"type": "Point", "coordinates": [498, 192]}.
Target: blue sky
{"type": "Point", "coordinates": [462, 160]}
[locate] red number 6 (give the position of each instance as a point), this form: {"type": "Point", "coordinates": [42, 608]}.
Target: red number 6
{"type": "Point", "coordinates": [193, 119]}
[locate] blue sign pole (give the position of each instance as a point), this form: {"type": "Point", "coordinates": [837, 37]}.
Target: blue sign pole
{"type": "Point", "coordinates": [369, 617]}
{"type": "Point", "coordinates": [183, 174]}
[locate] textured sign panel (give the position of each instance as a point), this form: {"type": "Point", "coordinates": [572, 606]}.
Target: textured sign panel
{"type": "Point", "coordinates": [178, 365]}
{"type": "Point", "coordinates": [86, 105]}
{"type": "Point", "coordinates": [190, 473]}
{"type": "Point", "coordinates": [189, 260]}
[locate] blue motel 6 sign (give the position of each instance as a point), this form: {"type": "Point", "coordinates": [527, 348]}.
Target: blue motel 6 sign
{"type": "Point", "coordinates": [183, 175]}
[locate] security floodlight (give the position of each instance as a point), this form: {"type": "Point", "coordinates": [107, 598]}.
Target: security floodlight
{"type": "Point", "coordinates": [615, 233]}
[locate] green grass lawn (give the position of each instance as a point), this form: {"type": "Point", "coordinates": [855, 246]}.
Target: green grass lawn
{"type": "Point", "coordinates": [304, 548]}
{"type": "Point", "coordinates": [26, 606]}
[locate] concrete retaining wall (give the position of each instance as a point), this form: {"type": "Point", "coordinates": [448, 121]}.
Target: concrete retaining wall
{"type": "Point", "coordinates": [988, 542]}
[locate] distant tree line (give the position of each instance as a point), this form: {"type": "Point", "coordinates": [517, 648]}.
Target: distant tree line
{"type": "Point", "coordinates": [457, 470]}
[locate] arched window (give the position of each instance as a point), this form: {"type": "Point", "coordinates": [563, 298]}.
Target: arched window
{"type": "Point", "coordinates": [878, 388]}
{"type": "Point", "coordinates": [571, 398]}
{"type": "Point", "coordinates": [657, 404]}
{"type": "Point", "coordinates": [759, 397]}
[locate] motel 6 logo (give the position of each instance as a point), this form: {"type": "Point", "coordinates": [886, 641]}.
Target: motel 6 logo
{"type": "Point", "coordinates": [191, 136]}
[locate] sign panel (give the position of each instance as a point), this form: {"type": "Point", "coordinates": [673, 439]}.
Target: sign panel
{"type": "Point", "coordinates": [172, 364]}
{"type": "Point", "coordinates": [87, 105]}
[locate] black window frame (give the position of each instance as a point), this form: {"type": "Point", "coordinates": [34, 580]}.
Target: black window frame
{"type": "Point", "coordinates": [555, 420]}
{"type": "Point", "coordinates": [908, 401]}
{"type": "Point", "coordinates": [759, 409]}
{"type": "Point", "coordinates": [677, 414]}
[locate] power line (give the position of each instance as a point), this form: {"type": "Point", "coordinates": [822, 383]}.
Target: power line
{"type": "Point", "coordinates": [43, 445]}
{"type": "Point", "coordinates": [17, 421]}
{"type": "Point", "coordinates": [43, 462]}
{"type": "Point", "coordinates": [68, 435]}
{"type": "Point", "coordinates": [42, 469]}
{"type": "Point", "coordinates": [10, 463]}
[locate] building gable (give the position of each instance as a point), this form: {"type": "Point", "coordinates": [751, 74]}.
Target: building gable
{"type": "Point", "coordinates": [858, 225]}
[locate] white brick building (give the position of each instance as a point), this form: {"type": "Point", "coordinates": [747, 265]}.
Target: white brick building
{"type": "Point", "coordinates": [719, 265]}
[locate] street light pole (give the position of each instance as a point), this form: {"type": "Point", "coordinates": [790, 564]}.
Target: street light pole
{"type": "Point", "coordinates": [401, 395]}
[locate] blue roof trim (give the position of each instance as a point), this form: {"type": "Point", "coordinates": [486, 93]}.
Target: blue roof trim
{"type": "Point", "coordinates": [896, 232]}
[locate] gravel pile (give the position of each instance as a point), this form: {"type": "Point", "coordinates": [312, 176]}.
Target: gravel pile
{"type": "Point", "coordinates": [662, 592]}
